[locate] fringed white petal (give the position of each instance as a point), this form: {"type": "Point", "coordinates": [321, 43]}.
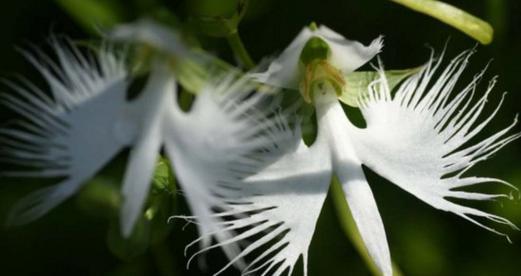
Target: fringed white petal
{"type": "Point", "coordinates": [346, 55]}
{"type": "Point", "coordinates": [68, 135]}
{"type": "Point", "coordinates": [420, 139]}
{"type": "Point", "coordinates": [275, 211]}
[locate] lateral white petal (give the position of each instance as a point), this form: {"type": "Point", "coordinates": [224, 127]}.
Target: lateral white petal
{"type": "Point", "coordinates": [70, 135]}
{"type": "Point", "coordinates": [419, 139]}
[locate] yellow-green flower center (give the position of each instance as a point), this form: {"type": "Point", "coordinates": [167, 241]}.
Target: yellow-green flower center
{"type": "Point", "coordinates": [315, 60]}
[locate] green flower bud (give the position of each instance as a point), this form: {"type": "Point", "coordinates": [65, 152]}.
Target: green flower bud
{"type": "Point", "coordinates": [315, 49]}
{"type": "Point", "coordinates": [131, 247]}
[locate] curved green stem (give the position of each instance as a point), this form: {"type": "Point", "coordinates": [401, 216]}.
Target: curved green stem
{"type": "Point", "coordinates": [239, 50]}
{"type": "Point", "coordinates": [459, 19]}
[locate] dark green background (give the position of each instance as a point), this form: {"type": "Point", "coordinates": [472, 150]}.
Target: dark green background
{"type": "Point", "coordinates": [423, 241]}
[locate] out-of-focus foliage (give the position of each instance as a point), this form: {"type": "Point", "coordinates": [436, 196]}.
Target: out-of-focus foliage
{"type": "Point", "coordinates": [75, 240]}
{"type": "Point", "coordinates": [94, 15]}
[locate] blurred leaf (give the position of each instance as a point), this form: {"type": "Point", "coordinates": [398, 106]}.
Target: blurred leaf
{"type": "Point", "coordinates": [349, 227]}
{"type": "Point", "coordinates": [457, 18]}
{"type": "Point", "coordinates": [165, 260]}
{"type": "Point", "coordinates": [94, 14]}
{"type": "Point", "coordinates": [138, 267]}
{"type": "Point", "coordinates": [163, 180]}
{"type": "Point", "coordinates": [357, 83]}
{"type": "Point", "coordinates": [218, 18]}
{"type": "Point", "coordinates": [100, 197]}
{"type": "Point", "coordinates": [498, 16]}
{"type": "Point", "coordinates": [133, 246]}
{"type": "Point", "coordinates": [161, 203]}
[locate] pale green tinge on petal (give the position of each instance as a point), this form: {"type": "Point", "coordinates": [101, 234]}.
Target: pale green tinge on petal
{"type": "Point", "coordinates": [457, 18]}
{"type": "Point", "coordinates": [357, 83]}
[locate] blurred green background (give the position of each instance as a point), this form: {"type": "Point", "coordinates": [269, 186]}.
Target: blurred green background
{"type": "Point", "coordinates": [423, 241]}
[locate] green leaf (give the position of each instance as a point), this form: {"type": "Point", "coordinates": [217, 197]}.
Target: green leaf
{"type": "Point", "coordinates": [357, 83]}
{"type": "Point", "coordinates": [94, 14]}
{"type": "Point", "coordinates": [161, 202]}
{"type": "Point", "coordinates": [218, 18]}
{"type": "Point", "coordinates": [100, 197]}
{"type": "Point", "coordinates": [349, 227]}
{"type": "Point", "coordinates": [163, 180]}
{"type": "Point", "coordinates": [453, 16]}
{"type": "Point", "coordinates": [133, 246]}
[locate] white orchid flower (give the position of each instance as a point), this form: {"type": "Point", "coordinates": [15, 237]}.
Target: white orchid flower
{"type": "Point", "coordinates": [419, 138]}
{"type": "Point", "coordinates": [88, 119]}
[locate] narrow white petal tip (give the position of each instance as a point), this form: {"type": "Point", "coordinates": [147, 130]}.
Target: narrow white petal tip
{"type": "Point", "coordinates": [127, 220]}
{"type": "Point", "coordinates": [377, 44]}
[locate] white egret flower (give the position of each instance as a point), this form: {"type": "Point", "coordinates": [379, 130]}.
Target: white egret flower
{"type": "Point", "coordinates": [420, 138]}
{"type": "Point", "coordinates": [88, 119]}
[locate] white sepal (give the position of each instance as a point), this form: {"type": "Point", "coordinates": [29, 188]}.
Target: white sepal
{"type": "Point", "coordinates": [346, 55]}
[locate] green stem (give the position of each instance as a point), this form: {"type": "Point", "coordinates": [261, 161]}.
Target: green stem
{"type": "Point", "coordinates": [348, 225]}
{"type": "Point", "coordinates": [239, 50]}
{"type": "Point", "coordinates": [497, 15]}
